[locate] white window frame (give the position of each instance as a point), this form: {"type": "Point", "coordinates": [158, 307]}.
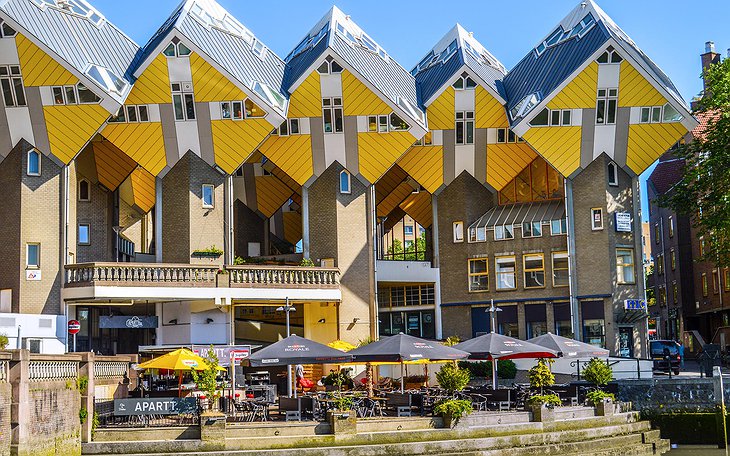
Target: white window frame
{"type": "Point", "coordinates": [612, 182]}
{"type": "Point", "coordinates": [498, 274]}
{"type": "Point", "coordinates": [346, 189]}
{"type": "Point", "coordinates": [333, 106]}
{"type": "Point", "coordinates": [563, 223]}
{"type": "Point", "coordinates": [88, 234]}
{"type": "Point", "coordinates": [621, 279]}
{"type": "Point", "coordinates": [27, 165]}
{"type": "Point", "coordinates": [183, 92]}
{"type": "Point", "coordinates": [458, 231]}
{"type": "Point", "coordinates": [609, 97]}
{"type": "Point", "coordinates": [12, 76]}
{"type": "Point", "coordinates": [211, 188]}
{"type": "Point", "coordinates": [466, 123]}
{"type": "Point", "coordinates": [7, 31]}
{"type": "Point", "coordinates": [88, 193]}
{"type": "Point", "coordinates": [28, 265]}
{"type": "Point", "coordinates": [596, 223]}
{"type": "Point", "coordinates": [504, 230]}
{"type": "Point", "coordinates": [532, 226]}
{"type": "Point", "coordinates": [561, 256]}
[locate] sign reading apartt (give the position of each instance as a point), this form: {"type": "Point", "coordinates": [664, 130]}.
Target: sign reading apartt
{"type": "Point", "coordinates": [161, 406]}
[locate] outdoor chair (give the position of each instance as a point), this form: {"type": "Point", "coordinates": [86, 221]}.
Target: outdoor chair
{"type": "Point", "coordinates": [291, 408]}
{"type": "Point", "coordinates": [399, 403]}
{"type": "Point", "coordinates": [500, 399]}
{"type": "Point", "coordinates": [480, 402]}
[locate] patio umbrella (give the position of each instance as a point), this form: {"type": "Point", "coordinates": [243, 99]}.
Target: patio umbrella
{"type": "Point", "coordinates": [403, 348]}
{"type": "Point", "coordinates": [297, 350]}
{"type": "Point", "coordinates": [569, 348]}
{"type": "Point", "coordinates": [179, 360]}
{"type": "Point", "coordinates": [493, 347]}
{"type": "Point", "coordinates": [341, 345]}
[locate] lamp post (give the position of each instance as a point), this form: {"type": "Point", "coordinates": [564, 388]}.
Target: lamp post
{"type": "Point", "coordinates": [493, 324]}
{"type": "Point", "coordinates": [287, 307]}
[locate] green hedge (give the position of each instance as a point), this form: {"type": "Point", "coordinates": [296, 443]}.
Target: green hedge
{"type": "Point", "coordinates": [506, 369]}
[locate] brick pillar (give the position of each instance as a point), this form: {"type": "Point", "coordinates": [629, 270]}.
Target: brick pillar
{"type": "Point", "coordinates": [19, 405]}
{"type": "Point", "coordinates": [86, 368]}
{"type": "Point", "coordinates": [550, 317]}
{"type": "Point", "coordinates": [521, 323]}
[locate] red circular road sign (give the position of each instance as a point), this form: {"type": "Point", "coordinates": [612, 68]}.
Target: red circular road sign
{"type": "Point", "coordinates": [74, 326]}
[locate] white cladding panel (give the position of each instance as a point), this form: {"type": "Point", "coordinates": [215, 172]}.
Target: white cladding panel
{"type": "Point", "coordinates": [187, 137]}
{"type": "Point", "coordinates": [331, 85]}
{"type": "Point", "coordinates": [20, 125]}
{"type": "Point", "coordinates": [464, 159]}
{"type": "Point", "coordinates": [464, 100]}
{"type": "Point", "coordinates": [604, 140]}
{"type": "Point", "coordinates": [334, 149]}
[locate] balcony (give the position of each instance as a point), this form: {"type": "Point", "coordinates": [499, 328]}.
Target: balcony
{"type": "Point", "coordinates": [160, 281]}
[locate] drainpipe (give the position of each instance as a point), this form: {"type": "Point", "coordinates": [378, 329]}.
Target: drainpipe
{"type": "Point", "coordinates": [572, 276]}
{"type": "Point", "coordinates": [435, 265]}
{"type": "Point", "coordinates": [305, 222]}
{"type": "Point", "coordinates": [228, 255]}
{"type": "Point", "coordinates": [639, 252]}
{"type": "Point", "coordinates": [64, 249]}
{"type": "Point", "coordinates": [158, 220]}
{"type": "Point", "coordinates": [372, 226]}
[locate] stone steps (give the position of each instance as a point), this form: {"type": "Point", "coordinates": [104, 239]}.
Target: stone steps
{"type": "Point", "coordinates": [386, 424]}
{"type": "Point", "coordinates": [275, 429]}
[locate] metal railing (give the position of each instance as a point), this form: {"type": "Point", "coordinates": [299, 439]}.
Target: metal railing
{"type": "Point", "coordinates": [41, 371]}
{"type": "Point", "coordinates": [104, 410]}
{"type": "Point", "coordinates": [110, 369]}
{"type": "Point", "coordinates": [283, 277]}
{"type": "Point", "coordinates": [136, 274]}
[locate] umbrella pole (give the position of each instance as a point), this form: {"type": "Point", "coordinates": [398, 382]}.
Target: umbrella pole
{"type": "Point", "coordinates": [494, 373]}
{"type": "Point", "coordinates": [402, 380]}
{"type": "Point", "coordinates": [179, 385]}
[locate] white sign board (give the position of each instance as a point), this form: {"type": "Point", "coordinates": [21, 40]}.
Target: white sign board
{"type": "Point", "coordinates": [33, 275]}
{"type": "Point", "coordinates": [623, 222]}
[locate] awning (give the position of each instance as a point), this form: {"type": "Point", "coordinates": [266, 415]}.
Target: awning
{"type": "Point", "coordinates": [517, 214]}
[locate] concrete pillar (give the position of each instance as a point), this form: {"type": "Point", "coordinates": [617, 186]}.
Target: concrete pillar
{"type": "Point", "coordinates": [550, 317]}
{"type": "Point", "coordinates": [86, 369]}
{"type": "Point", "coordinates": [19, 405]}
{"type": "Point", "coordinates": [305, 222]}
{"type": "Point", "coordinates": [572, 264]}
{"type": "Point", "coordinates": [521, 323]}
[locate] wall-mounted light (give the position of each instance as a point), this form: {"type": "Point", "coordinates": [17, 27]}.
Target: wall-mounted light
{"type": "Point", "coordinates": [172, 322]}
{"type": "Point", "coordinates": [356, 319]}
{"type": "Point", "coordinates": [321, 320]}
{"type": "Point", "coordinates": [209, 321]}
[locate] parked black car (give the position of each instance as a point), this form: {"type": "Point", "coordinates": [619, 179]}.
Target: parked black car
{"type": "Point", "coordinates": [663, 349]}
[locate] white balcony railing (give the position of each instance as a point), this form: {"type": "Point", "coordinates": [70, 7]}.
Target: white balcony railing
{"type": "Point", "coordinates": [283, 277]}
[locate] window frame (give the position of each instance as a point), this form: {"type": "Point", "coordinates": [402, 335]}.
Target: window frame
{"type": "Point", "coordinates": [503, 230]}
{"type": "Point", "coordinates": [335, 111]}
{"type": "Point", "coordinates": [471, 274]}
{"type": "Point", "coordinates": [532, 225]}
{"type": "Point", "coordinates": [203, 189]}
{"type": "Point", "coordinates": [88, 190]}
{"type": "Point", "coordinates": [620, 266]}
{"type": "Point", "coordinates": [184, 96]}
{"type": "Point", "coordinates": [670, 222]}
{"type": "Point", "coordinates": [596, 224]}
{"type": "Point", "coordinates": [610, 103]}
{"type": "Point", "coordinates": [16, 93]}
{"type": "Point", "coordinates": [560, 255]}
{"type": "Point", "coordinates": [28, 172]}
{"type": "Point", "coordinates": [465, 124]}
{"type": "Point", "coordinates": [672, 259]}
{"type": "Point", "coordinates": [498, 274]}
{"type": "Point", "coordinates": [345, 190]}
{"type": "Point", "coordinates": [563, 223]}
{"type": "Point", "coordinates": [525, 271]}
{"type": "Point", "coordinates": [28, 265]}
{"type": "Point", "coordinates": [88, 234]}
{"type": "Point", "coordinates": [705, 286]}
{"type": "Point", "coordinates": [457, 227]}
{"type": "Point", "coordinates": [612, 167]}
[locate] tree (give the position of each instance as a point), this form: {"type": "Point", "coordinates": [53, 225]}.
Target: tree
{"type": "Point", "coordinates": [598, 372]}
{"type": "Point", "coordinates": [205, 379]}
{"type": "Point", "coordinates": [452, 378]}
{"type": "Point", "coordinates": [703, 193]}
{"type": "Point", "coordinates": [540, 375]}
{"type": "Point", "coordinates": [416, 251]}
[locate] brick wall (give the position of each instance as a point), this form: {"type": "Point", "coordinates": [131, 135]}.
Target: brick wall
{"type": "Point", "coordinates": [249, 228]}
{"type": "Point", "coordinates": [176, 212]}
{"type": "Point", "coordinates": [53, 422]}
{"type": "Point", "coordinates": [5, 401]}
{"type": "Point", "coordinates": [10, 210]}
{"type": "Point", "coordinates": [98, 214]}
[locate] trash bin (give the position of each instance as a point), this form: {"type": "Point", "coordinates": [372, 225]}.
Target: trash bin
{"type": "Point", "coordinates": [224, 403]}
{"type": "Point", "coordinates": [709, 357]}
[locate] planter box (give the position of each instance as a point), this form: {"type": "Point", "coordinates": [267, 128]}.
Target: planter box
{"type": "Point", "coordinates": [605, 408]}
{"type": "Point", "coordinates": [541, 413]}
{"type": "Point", "coordinates": [223, 280]}
{"type": "Point", "coordinates": [342, 421]}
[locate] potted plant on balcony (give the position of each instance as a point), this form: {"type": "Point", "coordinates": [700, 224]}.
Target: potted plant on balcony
{"type": "Point", "coordinates": [211, 252]}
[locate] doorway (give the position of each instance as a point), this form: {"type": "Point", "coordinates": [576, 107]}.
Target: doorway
{"type": "Point", "coordinates": [626, 341]}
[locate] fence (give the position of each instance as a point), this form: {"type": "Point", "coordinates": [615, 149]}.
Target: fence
{"type": "Point", "coordinates": [110, 369]}
{"type": "Point", "coordinates": [104, 409]}
{"type": "Point", "coordinates": [44, 371]}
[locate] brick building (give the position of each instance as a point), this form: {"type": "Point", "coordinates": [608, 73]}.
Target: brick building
{"type": "Point", "coordinates": [178, 192]}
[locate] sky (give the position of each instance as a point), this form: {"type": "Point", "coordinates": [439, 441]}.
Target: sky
{"type": "Point", "coordinates": [671, 32]}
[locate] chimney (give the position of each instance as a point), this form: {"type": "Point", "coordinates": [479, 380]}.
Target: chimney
{"type": "Point", "coordinates": [708, 58]}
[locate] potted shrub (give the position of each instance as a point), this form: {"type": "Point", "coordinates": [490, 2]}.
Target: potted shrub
{"type": "Point", "coordinates": [542, 405]}
{"type": "Point", "coordinates": [452, 378]}
{"type": "Point", "coordinates": [598, 373]}
{"type": "Point", "coordinates": [3, 341]}
{"type": "Point", "coordinates": [452, 410]}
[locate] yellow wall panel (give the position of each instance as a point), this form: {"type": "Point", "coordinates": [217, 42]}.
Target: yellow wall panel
{"type": "Point", "coordinates": [71, 127]}
{"type": "Point", "coordinates": [143, 188]}
{"type": "Point", "coordinates": [292, 227]}
{"type": "Point", "coordinates": [210, 84]}
{"type": "Point", "coordinates": [647, 142]}
{"type": "Point", "coordinates": [306, 101]}
{"type": "Point", "coordinates": [358, 100]}
{"type": "Point", "coordinates": [418, 206]}
{"type": "Point", "coordinates": [379, 151]}
{"type": "Point", "coordinates": [441, 112]}
{"type": "Point", "coordinates": [293, 154]}
{"type": "Point", "coordinates": [489, 111]}
{"type": "Point", "coordinates": [426, 165]}
{"type": "Point", "coordinates": [112, 165]}
{"type": "Point", "coordinates": [505, 161]}
{"type": "Point", "coordinates": [580, 92]}
{"type": "Point", "coordinates": [141, 141]}
{"type": "Point", "coordinates": [635, 90]}
{"type": "Point", "coordinates": [153, 85]}
{"type": "Point", "coordinates": [560, 146]}
{"type": "Point", "coordinates": [394, 198]}
{"type": "Point", "coordinates": [235, 140]}
{"type": "Point", "coordinates": [271, 194]}
{"type": "Point", "coordinates": [38, 68]}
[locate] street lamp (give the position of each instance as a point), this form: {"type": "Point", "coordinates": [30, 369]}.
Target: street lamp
{"type": "Point", "coordinates": [493, 324]}
{"type": "Point", "coordinates": [287, 307]}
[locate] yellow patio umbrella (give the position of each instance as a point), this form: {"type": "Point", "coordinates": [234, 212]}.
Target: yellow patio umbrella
{"type": "Point", "coordinates": [178, 360]}
{"type": "Point", "coordinates": [341, 345]}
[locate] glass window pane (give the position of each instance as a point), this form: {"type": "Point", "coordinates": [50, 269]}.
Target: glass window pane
{"type": "Point", "coordinates": [372, 123]}
{"type": "Point", "coordinates": [502, 135]}
{"type": "Point", "coordinates": [84, 234]}
{"type": "Point", "coordinates": [132, 113]}
{"type": "Point", "coordinates": [459, 132]}
{"type": "Point", "coordinates": [566, 117]}
{"type": "Point", "coordinates": [208, 196]}
{"type": "Point", "coordinates": [7, 92]}
{"type": "Point", "coordinates": [143, 114]}
{"type": "Point", "coordinates": [33, 256]}
{"type": "Point", "coordinates": [540, 119]}
{"type": "Point", "coordinates": [86, 95]}
{"type": "Point", "coordinates": [169, 50]}
{"type": "Point", "coordinates": [600, 111]}
{"type": "Point", "coordinates": [19, 92]}
{"type": "Point", "coordinates": [470, 132]}
{"type": "Point", "coordinates": [178, 106]}
{"type": "Point", "coordinates": [294, 126]}
{"type": "Point", "coordinates": [611, 114]}
{"type": "Point", "coordinates": [344, 182]}
{"type": "Point", "coordinates": [656, 114]}
{"type": "Point", "coordinates": [336, 67]}
{"type": "Point", "coordinates": [182, 49]}
{"type": "Point", "coordinates": [58, 96]}
{"type": "Point", "coordinates": [237, 110]}
{"type": "Point", "coordinates": [252, 109]}
{"type": "Point", "coordinates": [555, 118]}
{"type": "Point", "coordinates": [339, 126]}
{"type": "Point", "coordinates": [34, 163]}
{"type": "Point", "coordinates": [226, 110]}
{"type": "Point", "coordinates": [70, 94]}
{"type": "Point", "coordinates": [327, 116]}
{"type": "Point", "coordinates": [189, 106]}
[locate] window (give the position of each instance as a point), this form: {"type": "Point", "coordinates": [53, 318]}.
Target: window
{"type": "Point", "coordinates": [660, 264]}
{"type": "Point", "coordinates": [675, 292]}
{"type": "Point", "coordinates": [464, 82]}
{"type": "Point", "coordinates": [625, 266]}
{"type": "Point", "coordinates": [34, 163]}
{"type": "Point", "coordinates": [397, 124]}
{"type": "Point", "coordinates": [560, 269]}
{"type": "Point", "coordinates": [427, 140]}
{"type": "Point", "coordinates": [610, 56]}
{"type": "Point", "coordinates": [177, 50]}
{"type": "Point", "coordinates": [558, 227]}
{"type": "Point", "coordinates": [656, 233]}
{"type": "Point", "coordinates": [71, 95]}
{"type": "Point", "coordinates": [560, 35]}
{"type": "Point", "coordinates": [594, 332]}
{"type": "Point", "coordinates": [85, 95]}
{"type": "Point", "coordinates": [534, 270]}
{"type": "Point", "coordinates": [106, 79]}
{"type": "Point", "coordinates": [503, 232]}
{"type": "Point", "coordinates": [84, 190]}
{"type": "Point", "coordinates": [525, 105]}
{"type": "Point", "coordinates": [478, 274]}
{"type": "Point", "coordinates": [612, 174]}
{"type": "Point", "coordinates": [345, 182]}
{"type": "Point", "coordinates": [208, 191]}
{"type": "Point", "coordinates": [727, 279]}
{"type": "Point", "coordinates": [715, 281]}
{"type": "Point", "coordinates": [332, 115]}
{"type": "Point", "coordinates": [131, 114]}
{"type": "Point", "coordinates": [672, 260]}
{"type": "Point", "coordinates": [596, 218]}
{"type": "Point", "coordinates": [183, 101]}
{"type": "Point", "coordinates": [12, 84]}
{"type": "Point", "coordinates": [329, 66]}
{"type": "Point", "coordinates": [465, 127]}
{"type": "Point", "coordinates": [662, 298]}
{"type": "Point", "coordinates": [458, 231]}
{"type": "Point", "coordinates": [507, 136]}
{"type": "Point", "coordinates": [7, 31]}
{"type": "Point", "coordinates": [33, 256]}
{"type": "Point", "coordinates": [506, 273]}
{"type": "Point", "coordinates": [408, 230]}
{"type": "Point", "coordinates": [704, 284]}
{"type": "Point", "coordinates": [289, 127]}
{"type": "Point", "coordinates": [703, 247]}
{"type": "Point", "coordinates": [553, 118]}
{"type": "Point", "coordinates": [267, 93]}
{"type": "Point", "coordinates": [606, 104]}
{"type": "Point", "coordinates": [531, 229]}
{"type": "Point", "coordinates": [670, 222]}
{"type": "Point", "coordinates": [657, 114]}
{"type": "Point", "coordinates": [84, 237]}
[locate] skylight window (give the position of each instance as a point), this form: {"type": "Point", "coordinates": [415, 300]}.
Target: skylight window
{"type": "Point", "coordinates": [525, 105]}
{"type": "Point", "coordinates": [259, 49]}
{"type": "Point", "coordinates": [560, 35]}
{"type": "Point", "coordinates": [106, 79]}
{"type": "Point", "coordinates": [78, 7]}
{"type": "Point", "coordinates": [308, 42]}
{"type": "Point", "coordinates": [410, 109]}
{"type": "Point", "coordinates": [221, 21]}
{"type": "Point", "coordinates": [273, 97]}
{"type": "Point", "coordinates": [360, 38]}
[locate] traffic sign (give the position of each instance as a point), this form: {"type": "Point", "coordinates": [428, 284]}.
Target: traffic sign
{"type": "Point", "coordinates": [74, 327]}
